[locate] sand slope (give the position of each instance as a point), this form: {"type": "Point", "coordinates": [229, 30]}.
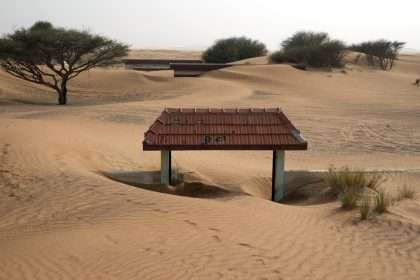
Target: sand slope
{"type": "Point", "coordinates": [62, 217]}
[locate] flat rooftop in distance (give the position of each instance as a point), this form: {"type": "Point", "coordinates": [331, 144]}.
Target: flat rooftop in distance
{"type": "Point", "coordinates": [195, 69]}
{"type": "Point", "coordinates": [154, 64]}
{"type": "Point", "coordinates": [181, 67]}
{"type": "Point", "coordinates": [223, 129]}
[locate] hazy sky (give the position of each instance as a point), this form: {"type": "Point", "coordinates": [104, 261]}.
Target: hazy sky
{"type": "Point", "coordinates": [195, 24]}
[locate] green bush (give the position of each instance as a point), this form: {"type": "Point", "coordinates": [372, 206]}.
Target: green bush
{"type": "Point", "coordinates": [278, 57]}
{"type": "Point", "coordinates": [234, 49]}
{"type": "Point", "coordinates": [311, 48]}
{"type": "Point", "coordinates": [382, 53]}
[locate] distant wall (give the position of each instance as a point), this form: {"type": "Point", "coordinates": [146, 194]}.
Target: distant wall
{"type": "Point", "coordinates": [155, 64]}
{"type": "Point", "coordinates": [195, 69]}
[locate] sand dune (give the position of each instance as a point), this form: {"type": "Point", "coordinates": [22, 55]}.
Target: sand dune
{"type": "Point", "coordinates": [71, 206]}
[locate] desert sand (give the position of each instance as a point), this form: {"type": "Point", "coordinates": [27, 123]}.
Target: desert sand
{"type": "Point", "coordinates": [67, 212]}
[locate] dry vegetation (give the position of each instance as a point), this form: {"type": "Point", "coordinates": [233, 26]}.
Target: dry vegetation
{"type": "Point", "coordinates": [363, 190]}
{"type": "Point", "coordinates": [350, 186]}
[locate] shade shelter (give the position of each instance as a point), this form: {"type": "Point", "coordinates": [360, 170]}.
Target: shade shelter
{"type": "Point", "coordinates": [180, 129]}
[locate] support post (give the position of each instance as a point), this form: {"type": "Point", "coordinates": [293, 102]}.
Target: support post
{"type": "Point", "coordinates": [278, 186]}
{"type": "Point", "coordinates": [165, 167]}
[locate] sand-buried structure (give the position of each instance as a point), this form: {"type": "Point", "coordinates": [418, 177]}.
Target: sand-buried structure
{"type": "Point", "coordinates": [178, 129]}
{"type": "Point", "coordinates": [181, 67]}
{"type": "Point", "coordinates": [155, 64]}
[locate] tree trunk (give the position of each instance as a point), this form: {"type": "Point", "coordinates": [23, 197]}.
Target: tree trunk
{"type": "Point", "coordinates": [62, 95]}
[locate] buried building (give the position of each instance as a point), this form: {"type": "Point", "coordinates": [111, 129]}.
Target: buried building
{"type": "Point", "coordinates": [178, 129]}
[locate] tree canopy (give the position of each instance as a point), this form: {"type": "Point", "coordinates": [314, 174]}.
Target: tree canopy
{"type": "Point", "coordinates": [382, 53]}
{"type": "Point", "coordinates": [233, 49]}
{"type": "Point", "coordinates": [51, 56]}
{"type": "Point", "coordinates": [314, 49]}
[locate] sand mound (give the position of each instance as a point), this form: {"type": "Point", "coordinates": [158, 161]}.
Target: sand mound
{"type": "Point", "coordinates": [61, 218]}
{"type": "Point", "coordinates": [191, 185]}
{"type": "Point", "coordinates": [262, 60]}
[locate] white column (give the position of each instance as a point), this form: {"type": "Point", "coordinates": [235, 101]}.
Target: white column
{"type": "Point", "coordinates": [279, 186]}
{"type": "Point", "coordinates": [165, 166]}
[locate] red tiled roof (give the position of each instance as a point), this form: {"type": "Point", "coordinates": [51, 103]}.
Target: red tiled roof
{"type": "Point", "coordinates": [223, 129]}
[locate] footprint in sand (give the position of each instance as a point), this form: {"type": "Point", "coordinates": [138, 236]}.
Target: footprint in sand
{"type": "Point", "coordinates": [217, 238]}
{"type": "Point", "coordinates": [5, 150]}
{"type": "Point", "coordinates": [246, 245]}
{"type": "Point", "coordinates": [160, 210]}
{"type": "Point", "coordinates": [110, 239]}
{"type": "Point", "coordinates": [190, 223]}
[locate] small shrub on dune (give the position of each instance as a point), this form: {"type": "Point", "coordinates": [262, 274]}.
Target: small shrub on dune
{"type": "Point", "coordinates": [349, 185]}
{"type": "Point", "coordinates": [234, 49]}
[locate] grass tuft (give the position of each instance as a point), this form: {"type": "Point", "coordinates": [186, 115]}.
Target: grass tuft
{"type": "Point", "coordinates": [406, 193]}
{"type": "Point", "coordinates": [349, 185]}
{"type": "Point", "coordinates": [349, 198]}
{"type": "Point", "coordinates": [365, 208]}
{"type": "Point", "coordinates": [382, 201]}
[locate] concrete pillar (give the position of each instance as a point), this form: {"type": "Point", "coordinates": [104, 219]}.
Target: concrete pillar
{"type": "Point", "coordinates": [278, 186]}
{"type": "Point", "coordinates": [165, 167]}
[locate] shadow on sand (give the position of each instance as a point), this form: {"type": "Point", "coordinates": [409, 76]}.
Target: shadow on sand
{"type": "Point", "coordinates": [307, 188]}
{"type": "Point", "coordinates": [191, 186]}
{"type": "Point", "coordinates": [302, 187]}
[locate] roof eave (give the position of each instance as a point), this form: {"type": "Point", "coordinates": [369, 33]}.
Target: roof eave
{"type": "Point", "coordinates": [292, 147]}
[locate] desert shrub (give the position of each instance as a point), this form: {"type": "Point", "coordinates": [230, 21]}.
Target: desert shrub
{"type": "Point", "coordinates": [278, 57]}
{"type": "Point", "coordinates": [382, 201]}
{"type": "Point", "coordinates": [334, 178]}
{"type": "Point", "coordinates": [338, 179]}
{"type": "Point", "coordinates": [406, 193]}
{"type": "Point", "coordinates": [349, 185]}
{"type": "Point", "coordinates": [311, 48]}
{"type": "Point", "coordinates": [381, 53]}
{"type": "Point", "coordinates": [364, 207]}
{"type": "Point", "coordinates": [233, 49]}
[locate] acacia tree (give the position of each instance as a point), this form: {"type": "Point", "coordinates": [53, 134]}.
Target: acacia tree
{"type": "Point", "coordinates": [52, 56]}
{"type": "Point", "coordinates": [380, 52]}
